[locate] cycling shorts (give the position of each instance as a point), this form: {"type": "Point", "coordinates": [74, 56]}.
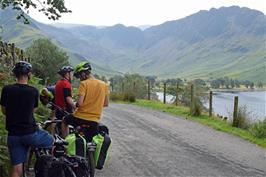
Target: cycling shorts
{"type": "Point", "coordinates": [89, 131]}
{"type": "Point", "coordinates": [18, 146]}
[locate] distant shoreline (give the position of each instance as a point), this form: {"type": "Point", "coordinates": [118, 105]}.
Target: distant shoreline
{"type": "Point", "coordinates": [238, 90]}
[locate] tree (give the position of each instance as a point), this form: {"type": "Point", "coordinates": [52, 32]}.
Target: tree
{"type": "Point", "coordinates": [252, 85]}
{"type": "Point", "coordinates": [152, 79]}
{"type": "Point", "coordinates": [51, 8]}
{"type": "Point", "coordinates": [247, 83]}
{"type": "Point", "coordinates": [199, 82]}
{"type": "Point", "coordinates": [232, 83]}
{"type": "Point", "coordinates": [237, 83]}
{"type": "Point", "coordinates": [226, 82]}
{"type": "Point", "coordinates": [215, 84]}
{"type": "Point", "coordinates": [46, 58]}
{"type": "Point", "coordinates": [260, 85]}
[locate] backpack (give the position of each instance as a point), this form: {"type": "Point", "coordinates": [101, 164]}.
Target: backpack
{"type": "Point", "coordinates": [103, 145]}
{"type": "Point", "coordinates": [103, 128]}
{"type": "Point", "coordinates": [76, 145]}
{"type": "Point", "coordinates": [81, 168]}
{"type": "Point", "coordinates": [60, 168]}
{"type": "Point", "coordinates": [49, 166]}
{"type": "Point", "coordinates": [42, 165]}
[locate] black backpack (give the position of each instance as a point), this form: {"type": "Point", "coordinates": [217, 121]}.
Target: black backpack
{"type": "Point", "coordinates": [61, 168]}
{"type": "Point", "coordinates": [49, 166]}
{"type": "Point", "coordinates": [81, 168]}
{"type": "Point", "coordinates": [43, 165]}
{"type": "Point", "coordinates": [103, 128]}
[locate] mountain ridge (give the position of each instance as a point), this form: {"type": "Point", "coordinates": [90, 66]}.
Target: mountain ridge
{"type": "Point", "coordinates": [218, 42]}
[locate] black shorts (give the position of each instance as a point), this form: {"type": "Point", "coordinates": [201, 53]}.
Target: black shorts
{"type": "Point", "coordinates": [89, 131]}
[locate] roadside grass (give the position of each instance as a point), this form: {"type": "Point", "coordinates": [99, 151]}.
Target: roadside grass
{"type": "Point", "coordinates": [213, 122]}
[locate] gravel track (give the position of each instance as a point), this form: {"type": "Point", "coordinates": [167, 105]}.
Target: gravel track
{"type": "Point", "coordinates": [151, 143]}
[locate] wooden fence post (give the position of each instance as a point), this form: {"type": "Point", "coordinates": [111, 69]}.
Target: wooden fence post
{"type": "Point", "coordinates": [192, 98]}
{"type": "Point", "coordinates": [210, 105]}
{"type": "Point", "coordinates": [176, 95]}
{"type": "Point", "coordinates": [13, 53]}
{"type": "Point", "coordinates": [134, 87]}
{"type": "Point", "coordinates": [123, 87]}
{"type": "Point", "coordinates": [149, 90]}
{"type": "Point", "coordinates": [112, 87]}
{"type": "Point", "coordinates": [164, 93]}
{"type": "Point", "coordinates": [235, 122]}
{"type": "Point", "coordinates": [22, 55]}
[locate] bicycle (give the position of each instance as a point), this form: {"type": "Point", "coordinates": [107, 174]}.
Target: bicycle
{"type": "Point", "coordinates": [91, 147]}
{"type": "Point", "coordinates": [58, 155]}
{"type": "Point", "coordinates": [59, 146]}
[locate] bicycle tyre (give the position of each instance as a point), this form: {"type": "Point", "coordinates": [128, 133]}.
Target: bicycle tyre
{"type": "Point", "coordinates": [91, 164]}
{"type": "Point", "coordinates": [26, 166]}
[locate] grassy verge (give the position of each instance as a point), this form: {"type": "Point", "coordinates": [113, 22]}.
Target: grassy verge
{"type": "Point", "coordinates": [213, 122]}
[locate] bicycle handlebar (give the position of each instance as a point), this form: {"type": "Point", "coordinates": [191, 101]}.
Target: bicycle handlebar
{"type": "Point", "coordinates": [59, 108]}
{"type": "Point", "coordinates": [59, 141]}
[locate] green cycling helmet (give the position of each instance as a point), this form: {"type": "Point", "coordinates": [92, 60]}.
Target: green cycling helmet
{"type": "Point", "coordinates": [46, 96]}
{"type": "Point", "coordinates": [83, 66]}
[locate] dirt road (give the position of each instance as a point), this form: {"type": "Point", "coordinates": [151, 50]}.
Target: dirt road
{"type": "Point", "coordinates": [151, 143]}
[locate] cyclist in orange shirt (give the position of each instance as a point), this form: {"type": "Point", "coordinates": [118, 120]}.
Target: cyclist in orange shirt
{"type": "Point", "coordinates": [92, 97]}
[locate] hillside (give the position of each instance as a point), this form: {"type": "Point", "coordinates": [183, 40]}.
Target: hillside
{"type": "Point", "coordinates": [22, 35]}
{"type": "Point", "coordinates": [229, 41]}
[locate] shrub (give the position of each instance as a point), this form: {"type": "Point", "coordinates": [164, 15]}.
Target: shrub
{"type": "Point", "coordinates": [243, 118]}
{"type": "Point", "coordinates": [258, 129]}
{"type": "Point", "coordinates": [42, 113]}
{"type": "Point", "coordinates": [127, 96]}
{"type": "Point", "coordinates": [4, 158]}
{"type": "Point", "coordinates": [196, 108]}
{"type": "Point", "coordinates": [116, 96]}
{"type": "Point", "coordinates": [130, 97]}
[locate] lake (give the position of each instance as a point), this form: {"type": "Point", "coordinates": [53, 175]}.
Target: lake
{"type": "Point", "coordinates": [255, 102]}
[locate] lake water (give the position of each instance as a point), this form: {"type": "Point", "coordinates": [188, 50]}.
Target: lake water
{"type": "Point", "coordinates": [255, 103]}
{"type": "Point", "coordinates": [223, 103]}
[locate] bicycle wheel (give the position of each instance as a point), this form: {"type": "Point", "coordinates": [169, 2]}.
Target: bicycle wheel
{"type": "Point", "coordinates": [28, 170]}
{"type": "Point", "coordinates": [91, 163]}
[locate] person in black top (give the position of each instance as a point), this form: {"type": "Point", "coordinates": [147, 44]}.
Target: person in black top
{"type": "Point", "coordinates": [18, 102]}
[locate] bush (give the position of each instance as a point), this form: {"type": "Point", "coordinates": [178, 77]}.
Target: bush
{"type": "Point", "coordinates": [4, 158]}
{"type": "Point", "coordinates": [42, 113]}
{"type": "Point", "coordinates": [258, 129]}
{"type": "Point", "coordinates": [243, 118]}
{"type": "Point", "coordinates": [130, 97]}
{"type": "Point", "coordinates": [116, 96]}
{"type": "Point", "coordinates": [196, 107]}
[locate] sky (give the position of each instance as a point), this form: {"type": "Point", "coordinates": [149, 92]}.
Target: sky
{"type": "Point", "coordinates": [139, 12]}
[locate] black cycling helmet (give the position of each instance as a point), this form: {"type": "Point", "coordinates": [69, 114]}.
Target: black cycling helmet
{"type": "Point", "coordinates": [65, 69]}
{"type": "Point", "coordinates": [82, 67]}
{"type": "Point", "coordinates": [22, 68]}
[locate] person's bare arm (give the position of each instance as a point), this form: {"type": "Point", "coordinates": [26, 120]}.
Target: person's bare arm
{"type": "Point", "coordinates": [80, 100]}
{"type": "Point", "coordinates": [70, 101]}
{"type": "Point", "coordinates": [106, 101]}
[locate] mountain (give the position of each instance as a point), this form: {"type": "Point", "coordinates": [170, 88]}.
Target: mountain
{"type": "Point", "coordinates": [65, 25]}
{"type": "Point", "coordinates": [22, 35]}
{"type": "Point", "coordinates": [229, 41]}
{"type": "Point", "coordinates": [143, 27]}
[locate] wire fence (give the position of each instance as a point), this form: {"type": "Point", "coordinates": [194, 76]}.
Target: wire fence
{"type": "Point", "coordinates": [219, 103]}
